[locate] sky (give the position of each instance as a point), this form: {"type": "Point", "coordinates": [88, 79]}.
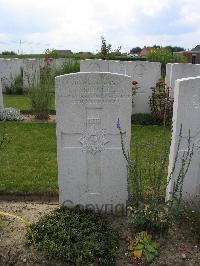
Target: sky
{"type": "Point", "coordinates": [78, 25]}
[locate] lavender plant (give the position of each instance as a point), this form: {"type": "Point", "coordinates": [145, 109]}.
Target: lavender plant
{"type": "Point", "coordinates": [147, 209]}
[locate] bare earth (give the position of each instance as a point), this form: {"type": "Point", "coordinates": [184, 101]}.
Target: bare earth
{"type": "Point", "coordinates": [177, 249]}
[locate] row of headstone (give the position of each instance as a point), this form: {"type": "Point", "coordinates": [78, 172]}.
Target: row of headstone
{"type": "Point", "coordinates": [1, 97]}
{"type": "Point", "coordinates": [90, 107]}
{"type": "Point", "coordinates": [11, 69]}
{"type": "Point", "coordinates": [91, 167]}
{"type": "Point", "coordinates": [29, 69]}
{"type": "Point", "coordinates": [186, 115]}
{"type": "Point", "coordinates": [178, 71]}
{"type": "Point", "coordinates": [144, 72]}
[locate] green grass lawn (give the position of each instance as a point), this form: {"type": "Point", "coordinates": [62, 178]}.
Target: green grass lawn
{"type": "Point", "coordinates": [21, 102]}
{"type": "Point", "coordinates": [28, 162]}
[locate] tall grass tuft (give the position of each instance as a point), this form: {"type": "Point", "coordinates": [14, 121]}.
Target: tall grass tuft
{"type": "Point", "coordinates": [41, 99]}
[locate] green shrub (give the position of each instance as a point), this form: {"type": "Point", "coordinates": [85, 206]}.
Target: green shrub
{"type": "Point", "coordinates": [144, 119]}
{"type": "Point", "coordinates": [164, 56]}
{"type": "Point", "coordinates": [16, 86]}
{"type": "Point", "coordinates": [161, 104]}
{"type": "Point", "coordinates": [79, 237]}
{"type": "Point", "coordinates": [148, 210]}
{"type": "Point", "coordinates": [41, 102]}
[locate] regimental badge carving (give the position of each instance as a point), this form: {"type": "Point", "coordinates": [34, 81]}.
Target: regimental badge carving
{"type": "Point", "coordinates": [196, 101]}
{"type": "Point", "coordinates": [93, 140]}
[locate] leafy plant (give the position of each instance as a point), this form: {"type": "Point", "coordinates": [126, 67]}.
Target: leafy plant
{"type": "Point", "coordinates": [148, 210]}
{"type": "Point", "coordinates": [41, 102]}
{"type": "Point", "coordinates": [105, 48]}
{"type": "Point", "coordinates": [10, 114]}
{"type": "Point", "coordinates": [142, 247]}
{"type": "Point", "coordinates": [164, 56]}
{"type": "Point", "coordinates": [161, 103]}
{"type": "Point", "coordinates": [79, 237]}
{"type": "Point", "coordinates": [17, 86]}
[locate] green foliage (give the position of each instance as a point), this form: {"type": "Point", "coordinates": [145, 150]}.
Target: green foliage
{"type": "Point", "coordinates": [135, 50]}
{"type": "Point", "coordinates": [144, 119]}
{"type": "Point", "coordinates": [68, 67]}
{"type": "Point", "coordinates": [79, 237]}
{"type": "Point", "coordinates": [147, 211]}
{"type": "Point", "coordinates": [164, 56]}
{"type": "Point", "coordinates": [105, 49]}
{"type": "Point", "coordinates": [142, 247]}
{"type": "Point", "coordinates": [29, 164]}
{"type": "Point", "coordinates": [8, 53]}
{"type": "Point", "coordinates": [41, 99]}
{"type": "Point", "coordinates": [161, 103]}
{"type": "Point", "coordinates": [51, 53]}
{"type": "Point", "coordinates": [16, 86]}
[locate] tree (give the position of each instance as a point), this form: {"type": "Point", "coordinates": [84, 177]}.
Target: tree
{"type": "Point", "coordinates": [174, 48]}
{"type": "Point", "coordinates": [135, 50]}
{"type": "Point", "coordinates": [8, 53]}
{"type": "Point", "coordinates": [164, 56]}
{"type": "Point", "coordinates": [105, 48]}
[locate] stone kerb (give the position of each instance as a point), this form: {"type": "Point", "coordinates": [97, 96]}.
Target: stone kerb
{"type": "Point", "coordinates": [91, 167]}
{"type": "Point", "coordinates": [186, 113]}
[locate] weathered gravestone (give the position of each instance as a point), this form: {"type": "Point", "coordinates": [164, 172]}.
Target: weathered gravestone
{"type": "Point", "coordinates": [94, 65]}
{"type": "Point", "coordinates": [187, 114]}
{"type": "Point", "coordinates": [91, 166]}
{"type": "Point", "coordinates": [10, 69]}
{"type": "Point", "coordinates": [147, 75]}
{"type": "Point", "coordinates": [178, 71]}
{"type": "Point", "coordinates": [31, 73]}
{"type": "Point", "coordinates": [144, 72]}
{"type": "Point", "coordinates": [1, 96]}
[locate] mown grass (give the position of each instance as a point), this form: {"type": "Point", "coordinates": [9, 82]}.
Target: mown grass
{"type": "Point", "coordinates": [21, 102]}
{"type": "Point", "coordinates": [153, 144]}
{"type": "Point", "coordinates": [28, 162]}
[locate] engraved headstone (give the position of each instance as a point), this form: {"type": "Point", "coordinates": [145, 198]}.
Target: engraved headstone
{"type": "Point", "coordinates": [31, 73]}
{"type": "Point", "coordinates": [94, 65]}
{"type": "Point", "coordinates": [10, 69]}
{"type": "Point", "coordinates": [178, 71]}
{"type": "Point", "coordinates": [186, 113]}
{"type": "Point", "coordinates": [91, 166]}
{"type": "Point", "coordinates": [1, 96]}
{"type": "Point", "coordinates": [117, 67]}
{"type": "Point", "coordinates": [146, 74]}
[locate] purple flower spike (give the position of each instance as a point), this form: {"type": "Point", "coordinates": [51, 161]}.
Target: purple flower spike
{"type": "Point", "coordinates": [118, 124]}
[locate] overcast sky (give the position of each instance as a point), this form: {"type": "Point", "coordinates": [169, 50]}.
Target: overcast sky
{"type": "Point", "coordinates": [79, 24]}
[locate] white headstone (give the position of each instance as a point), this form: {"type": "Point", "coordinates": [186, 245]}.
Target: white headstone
{"type": "Point", "coordinates": [94, 65]}
{"type": "Point", "coordinates": [178, 71]}
{"type": "Point", "coordinates": [91, 166]}
{"type": "Point", "coordinates": [146, 74]}
{"type": "Point", "coordinates": [186, 113]}
{"type": "Point", "coordinates": [31, 73]}
{"type": "Point", "coordinates": [1, 96]}
{"type": "Point", "coordinates": [117, 67]}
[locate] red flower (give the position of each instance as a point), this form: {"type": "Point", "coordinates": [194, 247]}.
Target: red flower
{"type": "Point", "coordinates": [134, 82]}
